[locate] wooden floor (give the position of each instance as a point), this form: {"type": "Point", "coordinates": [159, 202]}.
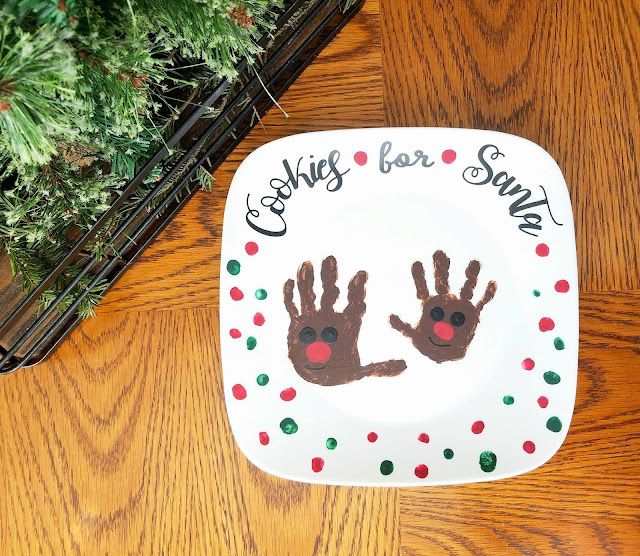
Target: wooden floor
{"type": "Point", "coordinates": [120, 443]}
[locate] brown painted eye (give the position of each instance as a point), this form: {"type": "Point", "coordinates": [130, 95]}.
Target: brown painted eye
{"type": "Point", "coordinates": [437, 313]}
{"type": "Point", "coordinates": [457, 319]}
{"type": "Point", "coordinates": [329, 334]}
{"type": "Point", "coordinates": [307, 335]}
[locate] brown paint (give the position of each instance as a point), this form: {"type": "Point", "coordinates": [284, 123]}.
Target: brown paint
{"type": "Point", "coordinates": [344, 364]}
{"type": "Point", "coordinates": [423, 336]}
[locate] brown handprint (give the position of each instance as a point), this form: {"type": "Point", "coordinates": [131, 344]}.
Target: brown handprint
{"type": "Point", "coordinates": [448, 323]}
{"type": "Point", "coordinates": [323, 344]}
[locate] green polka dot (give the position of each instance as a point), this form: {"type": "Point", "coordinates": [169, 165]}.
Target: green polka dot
{"type": "Point", "coordinates": [262, 379]}
{"type": "Point", "coordinates": [508, 400]}
{"type": "Point", "coordinates": [554, 424]}
{"type": "Point", "coordinates": [558, 343]}
{"type": "Point", "coordinates": [551, 378]}
{"type": "Point", "coordinates": [448, 453]}
{"type": "Point", "coordinates": [386, 467]}
{"type": "Point", "coordinates": [233, 267]}
{"type": "Point", "coordinates": [251, 343]}
{"type": "Point", "coordinates": [261, 294]}
{"type": "Point", "coordinates": [536, 293]}
{"type": "Point", "coordinates": [488, 461]}
{"type": "Point", "coordinates": [288, 426]}
{"type": "Point", "coordinates": [331, 443]}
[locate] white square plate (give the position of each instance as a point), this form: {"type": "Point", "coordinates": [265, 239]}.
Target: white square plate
{"type": "Point", "coordinates": [410, 372]}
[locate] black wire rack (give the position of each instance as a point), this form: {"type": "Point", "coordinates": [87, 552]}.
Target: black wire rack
{"type": "Point", "coordinates": [302, 31]}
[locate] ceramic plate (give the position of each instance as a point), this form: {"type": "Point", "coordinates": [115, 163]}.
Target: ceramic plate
{"type": "Point", "coordinates": [399, 306]}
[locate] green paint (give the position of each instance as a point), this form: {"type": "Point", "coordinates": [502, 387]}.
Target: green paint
{"type": "Point", "coordinates": [288, 426]}
{"type": "Point", "coordinates": [262, 379]}
{"type": "Point", "coordinates": [558, 343]}
{"type": "Point", "coordinates": [508, 400]}
{"type": "Point", "coordinates": [554, 424]}
{"type": "Point", "coordinates": [331, 443]}
{"type": "Point", "coordinates": [233, 267]}
{"type": "Point", "coordinates": [386, 467]}
{"type": "Point", "coordinates": [536, 293]}
{"type": "Point", "coordinates": [448, 453]}
{"type": "Point", "coordinates": [488, 461]}
{"type": "Point", "coordinates": [251, 343]}
{"type": "Point", "coordinates": [261, 294]}
{"type": "Point", "coordinates": [551, 378]}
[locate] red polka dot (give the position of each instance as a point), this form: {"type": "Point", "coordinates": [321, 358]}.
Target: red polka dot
{"type": "Point", "coordinates": [317, 464]}
{"type": "Point", "coordinates": [477, 427]}
{"type": "Point", "coordinates": [543, 401]}
{"type": "Point", "coordinates": [236, 294]}
{"type": "Point", "coordinates": [448, 156]}
{"type": "Point", "coordinates": [239, 393]}
{"type": "Point", "coordinates": [542, 249]}
{"type": "Point", "coordinates": [528, 364]}
{"type": "Point", "coordinates": [421, 471]}
{"type": "Point", "coordinates": [251, 248]}
{"type": "Point", "coordinates": [546, 324]}
{"type": "Point", "coordinates": [264, 438]}
{"type": "Point", "coordinates": [235, 333]}
{"type": "Point", "coordinates": [562, 286]}
{"type": "Point", "coordinates": [287, 394]}
{"type": "Point", "coordinates": [529, 447]}
{"type": "Point", "coordinates": [258, 319]}
{"type": "Point", "coordinates": [423, 437]}
{"type": "Point", "coordinates": [361, 158]}
{"type": "Point", "coordinates": [372, 437]}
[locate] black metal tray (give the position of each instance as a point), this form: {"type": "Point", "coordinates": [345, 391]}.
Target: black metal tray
{"type": "Point", "coordinates": [302, 31]}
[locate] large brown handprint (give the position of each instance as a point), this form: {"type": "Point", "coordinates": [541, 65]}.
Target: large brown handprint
{"type": "Point", "coordinates": [448, 323]}
{"type": "Point", "coordinates": [323, 344]}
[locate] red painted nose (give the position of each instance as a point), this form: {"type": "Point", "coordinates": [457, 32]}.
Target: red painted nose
{"type": "Point", "coordinates": [318, 352]}
{"type": "Point", "coordinates": [443, 330]}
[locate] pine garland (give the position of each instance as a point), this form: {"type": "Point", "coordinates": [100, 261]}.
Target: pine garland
{"type": "Point", "coordinates": [89, 89]}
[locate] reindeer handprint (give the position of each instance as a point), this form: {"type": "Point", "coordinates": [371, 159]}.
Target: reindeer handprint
{"type": "Point", "coordinates": [323, 344]}
{"type": "Point", "coordinates": [448, 323]}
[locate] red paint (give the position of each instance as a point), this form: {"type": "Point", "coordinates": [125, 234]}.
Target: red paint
{"type": "Point", "coordinates": [477, 427]}
{"type": "Point", "coordinates": [421, 471]}
{"type": "Point", "coordinates": [264, 438]}
{"type": "Point", "coordinates": [543, 401]}
{"type": "Point", "coordinates": [287, 394]}
{"type": "Point", "coordinates": [251, 248]}
{"type": "Point", "coordinates": [372, 437]}
{"type": "Point", "coordinates": [546, 324]}
{"type": "Point", "coordinates": [238, 391]}
{"type": "Point", "coordinates": [562, 286]}
{"type": "Point", "coordinates": [443, 330]}
{"type": "Point", "coordinates": [423, 437]}
{"type": "Point", "coordinates": [529, 447]}
{"type": "Point", "coordinates": [236, 294]}
{"type": "Point", "coordinates": [361, 158]}
{"type": "Point", "coordinates": [448, 156]}
{"type": "Point", "coordinates": [258, 319]}
{"type": "Point", "coordinates": [542, 249]}
{"type": "Point", "coordinates": [235, 333]}
{"type": "Point", "coordinates": [318, 352]}
{"type": "Point", "coordinates": [317, 464]}
{"type": "Point", "coordinates": [528, 364]}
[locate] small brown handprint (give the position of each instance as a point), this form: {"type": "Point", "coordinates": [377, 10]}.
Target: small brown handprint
{"type": "Point", "coordinates": [448, 323]}
{"type": "Point", "coordinates": [323, 344]}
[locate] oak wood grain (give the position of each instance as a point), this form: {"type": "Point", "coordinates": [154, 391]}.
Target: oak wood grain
{"type": "Point", "coordinates": [120, 443]}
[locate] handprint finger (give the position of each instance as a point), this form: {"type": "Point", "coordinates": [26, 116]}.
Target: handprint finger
{"type": "Point", "coordinates": [441, 271]}
{"type": "Point", "coordinates": [400, 325]}
{"type": "Point", "coordinates": [329, 275]}
{"type": "Point", "coordinates": [471, 273]}
{"type": "Point", "coordinates": [417, 270]}
{"type": "Point", "coordinates": [488, 295]}
{"type": "Point", "coordinates": [356, 292]}
{"type": "Point", "coordinates": [305, 287]}
{"type": "Point", "coordinates": [288, 300]}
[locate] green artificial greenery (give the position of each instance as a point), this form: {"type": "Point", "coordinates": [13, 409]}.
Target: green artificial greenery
{"type": "Point", "coordinates": [89, 90]}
